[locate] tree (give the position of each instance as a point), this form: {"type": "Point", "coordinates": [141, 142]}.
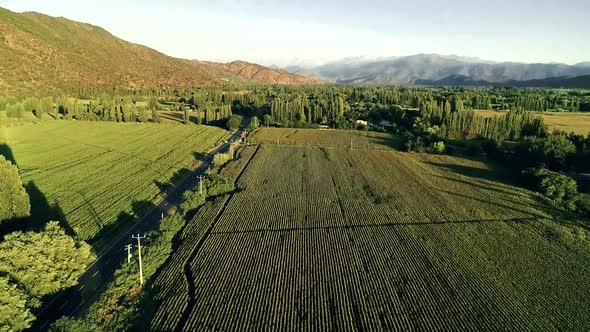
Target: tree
{"type": "Point", "coordinates": [45, 262]}
{"type": "Point", "coordinates": [186, 116]}
{"type": "Point", "coordinates": [155, 117]}
{"type": "Point", "coordinates": [267, 119]}
{"type": "Point", "coordinates": [192, 200]}
{"type": "Point", "coordinates": [14, 314]}
{"type": "Point", "coordinates": [560, 189]}
{"type": "Point", "coordinates": [14, 200]}
{"type": "Point", "coordinates": [552, 151]}
{"type": "Point", "coordinates": [233, 123]}
{"type": "Point", "coordinates": [253, 123]}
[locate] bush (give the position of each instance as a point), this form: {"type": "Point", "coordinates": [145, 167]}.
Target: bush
{"type": "Point", "coordinates": [233, 123]}
{"type": "Point", "coordinates": [560, 189]}
{"type": "Point", "coordinates": [551, 151]}
{"type": "Point", "coordinates": [192, 200]}
{"type": "Point", "coordinates": [217, 185]}
{"type": "Point", "coordinates": [221, 159]}
{"type": "Point", "coordinates": [583, 205]}
{"type": "Point", "coordinates": [438, 147]}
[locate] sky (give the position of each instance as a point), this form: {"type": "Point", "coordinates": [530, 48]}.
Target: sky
{"type": "Point", "coordinates": [311, 32]}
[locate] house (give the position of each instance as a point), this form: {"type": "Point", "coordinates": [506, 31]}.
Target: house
{"type": "Point", "coordinates": [362, 122]}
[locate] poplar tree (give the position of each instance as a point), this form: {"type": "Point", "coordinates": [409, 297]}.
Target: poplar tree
{"type": "Point", "coordinates": [14, 200]}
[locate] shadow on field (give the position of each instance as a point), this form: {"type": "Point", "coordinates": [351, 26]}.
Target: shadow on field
{"type": "Point", "coordinates": [200, 156]}
{"type": "Point", "coordinates": [493, 173]}
{"type": "Point", "coordinates": [41, 210]}
{"type": "Point", "coordinates": [176, 178]}
{"type": "Point", "coordinates": [7, 153]}
{"type": "Point", "coordinates": [394, 142]}
{"type": "Point", "coordinates": [124, 221]}
{"type": "Point", "coordinates": [489, 179]}
{"type": "Point", "coordinates": [179, 116]}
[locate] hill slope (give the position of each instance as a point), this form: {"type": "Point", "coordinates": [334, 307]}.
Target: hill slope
{"type": "Point", "coordinates": [44, 52]}
{"type": "Point", "coordinates": [252, 72]}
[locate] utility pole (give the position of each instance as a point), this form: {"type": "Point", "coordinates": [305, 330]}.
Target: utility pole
{"type": "Point", "coordinates": [139, 255]}
{"type": "Point", "coordinates": [128, 248]}
{"type": "Point", "coordinates": [201, 184]}
{"type": "Point", "coordinates": [351, 143]}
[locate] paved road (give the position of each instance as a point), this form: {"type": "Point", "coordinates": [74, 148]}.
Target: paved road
{"type": "Point", "coordinates": [95, 279]}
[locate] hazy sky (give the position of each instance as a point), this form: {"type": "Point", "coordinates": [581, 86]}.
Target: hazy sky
{"type": "Point", "coordinates": [285, 32]}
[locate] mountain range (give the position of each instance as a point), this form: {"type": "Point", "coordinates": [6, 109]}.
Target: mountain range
{"type": "Point", "coordinates": [434, 69]}
{"type": "Point", "coordinates": [41, 52]}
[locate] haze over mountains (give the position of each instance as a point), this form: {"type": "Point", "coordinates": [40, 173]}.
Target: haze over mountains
{"type": "Point", "coordinates": [44, 52]}
{"type": "Point", "coordinates": [445, 70]}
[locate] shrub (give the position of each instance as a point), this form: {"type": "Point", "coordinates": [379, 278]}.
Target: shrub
{"type": "Point", "coordinates": [217, 185]}
{"type": "Point", "coordinates": [438, 147]}
{"type": "Point", "coordinates": [583, 205]}
{"type": "Point", "coordinates": [220, 159]}
{"type": "Point", "coordinates": [560, 189]}
{"type": "Point", "coordinates": [233, 123]}
{"type": "Point", "coordinates": [192, 200]}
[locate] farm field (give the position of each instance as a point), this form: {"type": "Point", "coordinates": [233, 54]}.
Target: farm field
{"type": "Point", "coordinates": [577, 122]}
{"type": "Point", "coordinates": [95, 173]}
{"type": "Point", "coordinates": [340, 239]}
{"type": "Point", "coordinates": [325, 138]}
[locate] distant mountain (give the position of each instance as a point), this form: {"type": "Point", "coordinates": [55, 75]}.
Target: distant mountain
{"type": "Point", "coordinates": [579, 82]}
{"type": "Point", "coordinates": [250, 72]}
{"type": "Point", "coordinates": [43, 52]}
{"type": "Point", "coordinates": [433, 68]}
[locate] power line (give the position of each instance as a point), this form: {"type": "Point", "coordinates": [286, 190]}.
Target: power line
{"type": "Point", "coordinates": [128, 248]}
{"type": "Point", "coordinates": [200, 177]}
{"type": "Point", "coordinates": [139, 255]}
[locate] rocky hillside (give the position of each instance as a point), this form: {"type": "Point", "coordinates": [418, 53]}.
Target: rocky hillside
{"type": "Point", "coordinates": [41, 52]}
{"type": "Point", "coordinates": [251, 72]}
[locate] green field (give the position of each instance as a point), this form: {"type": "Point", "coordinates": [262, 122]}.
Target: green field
{"type": "Point", "coordinates": [320, 238]}
{"type": "Point", "coordinates": [95, 173]}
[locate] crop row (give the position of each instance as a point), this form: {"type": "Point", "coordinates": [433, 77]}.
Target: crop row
{"type": "Point", "coordinates": [172, 287]}
{"type": "Point", "coordinates": [97, 172]}
{"type": "Point", "coordinates": [333, 239]}
{"type": "Point", "coordinates": [399, 277]}
{"type": "Point", "coordinates": [304, 187]}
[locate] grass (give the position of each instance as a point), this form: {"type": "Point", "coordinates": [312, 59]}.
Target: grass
{"type": "Point", "coordinates": [577, 122]}
{"type": "Point", "coordinates": [95, 174]}
{"type": "Point", "coordinates": [328, 238]}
